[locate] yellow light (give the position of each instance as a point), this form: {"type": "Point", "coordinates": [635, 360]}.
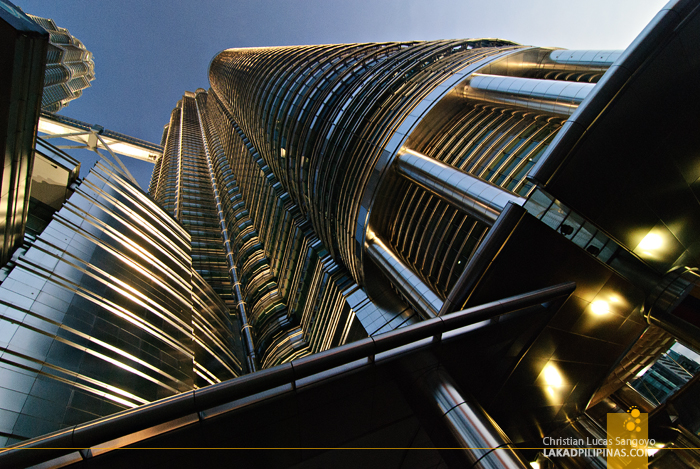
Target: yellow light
{"type": "Point", "coordinates": [552, 376]}
{"type": "Point", "coordinates": [600, 307]}
{"type": "Point", "coordinates": [651, 242]}
{"type": "Point", "coordinates": [535, 465]}
{"type": "Point", "coordinates": [651, 452]}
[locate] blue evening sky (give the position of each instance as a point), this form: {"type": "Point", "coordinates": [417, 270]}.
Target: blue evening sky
{"type": "Point", "coordinates": [148, 52]}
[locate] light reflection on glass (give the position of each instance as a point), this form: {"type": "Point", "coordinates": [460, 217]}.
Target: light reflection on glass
{"type": "Point", "coordinates": [552, 376]}
{"type": "Point", "coordinates": [651, 242]}
{"type": "Point", "coordinates": [600, 307]}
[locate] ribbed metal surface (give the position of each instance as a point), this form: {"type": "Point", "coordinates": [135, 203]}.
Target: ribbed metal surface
{"type": "Point", "coordinates": [321, 115]}
{"type": "Point", "coordinates": [495, 144]}
{"type": "Point", "coordinates": [291, 297]}
{"type": "Point", "coordinates": [470, 194]}
{"type": "Point", "coordinates": [313, 369]}
{"type": "Point", "coordinates": [164, 181]}
{"type": "Point", "coordinates": [104, 312]}
{"type": "Point", "coordinates": [69, 67]}
{"type": "Point", "coordinates": [267, 326]}
{"type": "Point", "coordinates": [184, 189]}
{"type": "Point", "coordinates": [299, 300]}
{"type": "Point", "coordinates": [434, 237]}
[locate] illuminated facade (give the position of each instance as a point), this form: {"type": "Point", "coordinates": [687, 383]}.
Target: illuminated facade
{"type": "Point", "coordinates": [300, 176]}
{"type": "Point", "coordinates": [436, 176]}
{"type": "Point", "coordinates": [283, 284]}
{"type": "Point", "coordinates": [455, 246]}
{"type": "Point", "coordinates": [69, 67]}
{"type": "Point", "coordinates": [102, 311]}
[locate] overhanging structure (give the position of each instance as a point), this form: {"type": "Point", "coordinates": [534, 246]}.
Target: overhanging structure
{"type": "Point", "coordinates": [92, 137]}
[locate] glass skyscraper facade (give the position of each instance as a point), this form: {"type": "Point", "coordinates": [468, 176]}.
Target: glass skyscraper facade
{"type": "Point", "coordinates": [103, 312]}
{"type": "Point", "coordinates": [69, 67]}
{"type": "Point", "coordinates": [277, 277]}
{"type": "Point", "coordinates": [289, 157]}
{"type": "Point", "coordinates": [453, 245]}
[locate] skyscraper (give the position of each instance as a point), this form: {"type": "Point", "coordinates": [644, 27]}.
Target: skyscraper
{"type": "Point", "coordinates": [431, 173]}
{"type": "Point", "coordinates": [100, 309]}
{"type": "Point", "coordinates": [388, 163]}
{"type": "Point", "coordinates": [37, 52]}
{"type": "Point", "coordinates": [451, 245]}
{"type": "Point", "coordinates": [69, 67]}
{"type": "Point", "coordinates": [22, 68]}
{"type": "Point", "coordinates": [283, 284]}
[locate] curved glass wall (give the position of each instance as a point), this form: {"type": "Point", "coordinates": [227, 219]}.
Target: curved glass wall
{"type": "Point", "coordinates": [320, 116]}
{"type": "Point", "coordinates": [495, 142]}
{"type": "Point", "coordinates": [300, 301]}
{"type": "Point", "coordinates": [323, 122]}
{"type": "Point", "coordinates": [104, 312]}
{"type": "Point", "coordinates": [301, 141]}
